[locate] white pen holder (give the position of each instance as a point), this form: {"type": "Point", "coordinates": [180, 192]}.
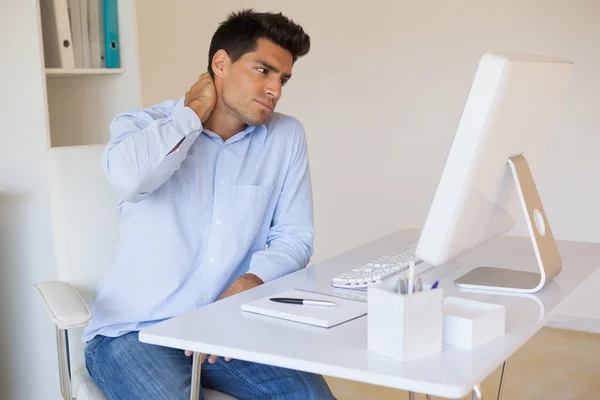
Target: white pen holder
{"type": "Point", "coordinates": [404, 327]}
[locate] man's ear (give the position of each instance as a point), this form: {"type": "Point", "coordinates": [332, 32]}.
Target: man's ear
{"type": "Point", "coordinates": [219, 62]}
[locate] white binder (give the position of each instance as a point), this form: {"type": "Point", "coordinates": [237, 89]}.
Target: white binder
{"type": "Point", "coordinates": [96, 25]}
{"type": "Point", "coordinates": [58, 42]}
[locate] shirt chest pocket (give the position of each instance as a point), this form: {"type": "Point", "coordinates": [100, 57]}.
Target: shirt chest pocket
{"type": "Point", "coordinates": [251, 208]}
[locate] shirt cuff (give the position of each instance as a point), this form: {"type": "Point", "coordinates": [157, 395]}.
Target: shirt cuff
{"type": "Point", "coordinates": [187, 120]}
{"type": "Point", "coordinates": [187, 123]}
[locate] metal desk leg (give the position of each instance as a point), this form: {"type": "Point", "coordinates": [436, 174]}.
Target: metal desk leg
{"type": "Point", "coordinates": [196, 370]}
{"type": "Point", "coordinates": [411, 396]}
{"type": "Point", "coordinates": [477, 394]}
{"type": "Point", "coordinates": [501, 380]}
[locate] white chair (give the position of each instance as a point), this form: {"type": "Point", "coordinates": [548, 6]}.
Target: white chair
{"type": "Point", "coordinates": [85, 229]}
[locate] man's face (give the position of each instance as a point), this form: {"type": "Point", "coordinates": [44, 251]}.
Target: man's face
{"type": "Point", "coordinates": [252, 85]}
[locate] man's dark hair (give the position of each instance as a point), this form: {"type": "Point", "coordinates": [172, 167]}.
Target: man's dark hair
{"type": "Point", "coordinates": [239, 33]}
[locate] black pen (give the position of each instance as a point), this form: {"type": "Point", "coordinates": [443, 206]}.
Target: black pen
{"type": "Point", "coordinates": [306, 302]}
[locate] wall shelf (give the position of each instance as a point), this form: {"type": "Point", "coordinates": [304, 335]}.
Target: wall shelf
{"type": "Point", "coordinates": [82, 101]}
{"type": "Point", "coordinates": [70, 72]}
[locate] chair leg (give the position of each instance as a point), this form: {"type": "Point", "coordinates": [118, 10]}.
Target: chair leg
{"type": "Point", "coordinates": [501, 380]}
{"type": "Point", "coordinates": [62, 348]}
{"type": "Point", "coordinates": [196, 373]}
{"type": "Point", "coordinates": [428, 397]}
{"type": "Point", "coordinates": [477, 393]}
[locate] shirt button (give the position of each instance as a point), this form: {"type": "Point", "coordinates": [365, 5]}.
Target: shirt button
{"type": "Point", "coordinates": [218, 222]}
{"type": "Point", "coordinates": [193, 125]}
{"type": "Point", "coordinates": [222, 182]}
{"type": "Point", "coordinates": [204, 296]}
{"type": "Point", "coordinates": [177, 151]}
{"type": "Point", "coordinates": [212, 259]}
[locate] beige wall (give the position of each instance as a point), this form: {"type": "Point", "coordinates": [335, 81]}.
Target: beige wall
{"type": "Point", "coordinates": [383, 79]}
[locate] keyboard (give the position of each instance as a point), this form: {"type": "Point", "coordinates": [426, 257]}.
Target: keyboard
{"type": "Point", "coordinates": [376, 271]}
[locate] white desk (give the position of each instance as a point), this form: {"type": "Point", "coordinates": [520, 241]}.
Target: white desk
{"type": "Point", "coordinates": [222, 328]}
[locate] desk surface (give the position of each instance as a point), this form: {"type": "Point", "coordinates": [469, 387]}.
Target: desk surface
{"type": "Point", "coordinates": [222, 328]}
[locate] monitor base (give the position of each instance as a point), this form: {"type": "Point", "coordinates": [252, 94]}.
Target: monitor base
{"type": "Point", "coordinates": [543, 243]}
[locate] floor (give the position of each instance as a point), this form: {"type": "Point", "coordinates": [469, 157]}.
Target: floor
{"type": "Point", "coordinates": [555, 364]}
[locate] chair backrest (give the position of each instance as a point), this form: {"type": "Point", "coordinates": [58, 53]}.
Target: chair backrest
{"type": "Point", "coordinates": [85, 223]}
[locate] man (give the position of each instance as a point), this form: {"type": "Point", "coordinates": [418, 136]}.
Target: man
{"type": "Point", "coordinates": [215, 199]}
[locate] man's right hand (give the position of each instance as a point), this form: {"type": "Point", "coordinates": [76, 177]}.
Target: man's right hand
{"type": "Point", "coordinates": [202, 97]}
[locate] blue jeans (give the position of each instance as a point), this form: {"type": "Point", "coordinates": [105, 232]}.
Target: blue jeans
{"type": "Point", "coordinates": [125, 368]}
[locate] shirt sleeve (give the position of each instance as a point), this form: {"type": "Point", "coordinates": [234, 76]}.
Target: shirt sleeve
{"type": "Point", "coordinates": [136, 160]}
{"type": "Point", "coordinates": [290, 238]}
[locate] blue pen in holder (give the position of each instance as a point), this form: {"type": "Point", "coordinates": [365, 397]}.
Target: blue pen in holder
{"type": "Point", "coordinates": [404, 327]}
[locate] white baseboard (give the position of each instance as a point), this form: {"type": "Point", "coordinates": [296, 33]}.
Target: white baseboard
{"type": "Point", "coordinates": [575, 323]}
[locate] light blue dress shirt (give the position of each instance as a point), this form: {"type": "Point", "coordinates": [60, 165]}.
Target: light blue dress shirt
{"type": "Point", "coordinates": [195, 220]}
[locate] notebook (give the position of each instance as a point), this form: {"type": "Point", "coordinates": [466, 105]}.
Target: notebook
{"type": "Point", "coordinates": [346, 308]}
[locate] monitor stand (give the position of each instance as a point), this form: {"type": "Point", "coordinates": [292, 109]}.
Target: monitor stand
{"type": "Point", "coordinates": [546, 251]}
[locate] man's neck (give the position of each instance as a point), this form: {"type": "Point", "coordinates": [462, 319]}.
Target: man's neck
{"type": "Point", "coordinates": [222, 123]}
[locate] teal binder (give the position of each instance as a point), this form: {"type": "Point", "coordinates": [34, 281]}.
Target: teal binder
{"type": "Point", "coordinates": [111, 34]}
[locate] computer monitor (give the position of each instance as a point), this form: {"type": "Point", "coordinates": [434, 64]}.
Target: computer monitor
{"type": "Point", "coordinates": [487, 181]}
